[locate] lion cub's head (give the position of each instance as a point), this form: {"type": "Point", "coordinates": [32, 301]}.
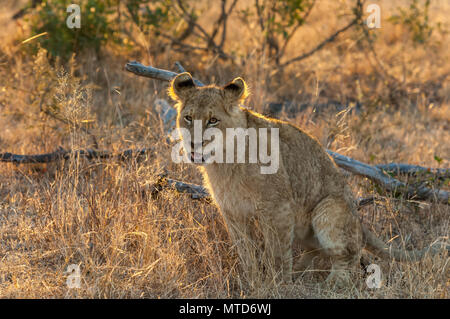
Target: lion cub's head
{"type": "Point", "coordinates": [207, 107]}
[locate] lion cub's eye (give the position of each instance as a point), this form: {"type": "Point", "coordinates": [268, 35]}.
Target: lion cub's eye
{"type": "Point", "coordinates": [213, 121]}
{"type": "Point", "coordinates": [188, 119]}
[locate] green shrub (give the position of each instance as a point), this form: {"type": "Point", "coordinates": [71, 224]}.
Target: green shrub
{"type": "Point", "coordinates": [62, 41]}
{"type": "Point", "coordinates": [416, 20]}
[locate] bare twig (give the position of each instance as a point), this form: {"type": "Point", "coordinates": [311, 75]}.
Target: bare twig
{"type": "Point", "coordinates": [356, 20]}
{"type": "Point", "coordinates": [384, 72]}
{"type": "Point", "coordinates": [24, 10]}
{"type": "Point", "coordinates": [224, 23]}
{"type": "Point", "coordinates": [320, 45]}
{"type": "Point", "coordinates": [203, 34]}
{"type": "Point", "coordinates": [181, 46]}
{"type": "Point", "coordinates": [190, 19]}
{"type": "Point", "coordinates": [219, 21]}
{"type": "Point", "coordinates": [294, 30]}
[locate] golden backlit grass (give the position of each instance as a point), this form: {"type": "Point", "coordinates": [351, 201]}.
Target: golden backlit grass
{"type": "Point", "coordinates": [101, 214]}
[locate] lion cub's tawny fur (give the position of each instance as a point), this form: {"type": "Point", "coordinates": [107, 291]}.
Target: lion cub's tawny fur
{"type": "Point", "coordinates": [307, 202]}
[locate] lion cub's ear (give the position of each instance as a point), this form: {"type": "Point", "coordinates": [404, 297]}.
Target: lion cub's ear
{"type": "Point", "coordinates": [181, 86]}
{"type": "Point", "coordinates": [236, 89]}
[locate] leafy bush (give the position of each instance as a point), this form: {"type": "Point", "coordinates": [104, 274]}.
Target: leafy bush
{"type": "Point", "coordinates": [173, 23]}
{"type": "Point", "coordinates": [279, 20]}
{"type": "Point", "coordinates": [62, 41]}
{"type": "Point", "coordinates": [416, 20]}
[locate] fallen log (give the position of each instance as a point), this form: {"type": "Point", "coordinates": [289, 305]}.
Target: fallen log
{"type": "Point", "coordinates": [351, 165]}
{"type": "Point", "coordinates": [199, 192]}
{"type": "Point", "coordinates": [386, 181]}
{"type": "Point", "coordinates": [61, 154]}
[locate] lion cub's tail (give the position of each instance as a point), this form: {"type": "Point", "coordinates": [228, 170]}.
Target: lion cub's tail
{"type": "Point", "coordinates": [378, 247]}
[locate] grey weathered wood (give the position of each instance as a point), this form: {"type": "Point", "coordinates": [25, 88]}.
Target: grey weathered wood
{"type": "Point", "coordinates": [414, 170]}
{"type": "Point", "coordinates": [386, 181]}
{"type": "Point", "coordinates": [153, 73]}
{"type": "Point", "coordinates": [60, 154]}
{"type": "Point", "coordinates": [349, 164]}
{"type": "Point", "coordinates": [196, 191]}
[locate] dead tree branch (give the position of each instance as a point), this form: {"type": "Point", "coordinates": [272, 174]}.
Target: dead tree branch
{"type": "Point", "coordinates": [356, 21]}
{"type": "Point", "coordinates": [349, 164]}
{"type": "Point", "coordinates": [389, 183]}
{"type": "Point", "coordinates": [375, 174]}
{"type": "Point", "coordinates": [203, 34]}
{"type": "Point", "coordinates": [200, 192]}
{"type": "Point", "coordinates": [61, 154]}
{"type": "Point", "coordinates": [23, 11]}
{"type": "Point", "coordinates": [154, 73]}
{"type": "Point", "coordinates": [413, 170]}
{"type": "Point", "coordinates": [194, 190]}
{"type": "Point", "coordinates": [320, 45]}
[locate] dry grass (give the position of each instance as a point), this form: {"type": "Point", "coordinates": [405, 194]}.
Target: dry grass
{"type": "Point", "coordinates": [101, 215]}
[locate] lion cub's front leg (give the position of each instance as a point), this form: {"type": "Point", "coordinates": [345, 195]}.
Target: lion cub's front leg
{"type": "Point", "coordinates": [265, 237]}
{"type": "Point", "coordinates": [280, 236]}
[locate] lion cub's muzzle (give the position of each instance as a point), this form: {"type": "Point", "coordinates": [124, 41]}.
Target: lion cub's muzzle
{"type": "Point", "coordinates": [196, 155]}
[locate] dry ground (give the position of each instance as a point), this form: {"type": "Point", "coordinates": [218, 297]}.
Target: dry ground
{"type": "Point", "coordinates": [101, 215]}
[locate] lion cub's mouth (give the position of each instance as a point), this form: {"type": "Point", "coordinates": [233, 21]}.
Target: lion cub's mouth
{"type": "Point", "coordinates": [198, 158]}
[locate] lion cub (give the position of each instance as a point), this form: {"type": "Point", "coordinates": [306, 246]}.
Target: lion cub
{"type": "Point", "coordinates": [306, 202]}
